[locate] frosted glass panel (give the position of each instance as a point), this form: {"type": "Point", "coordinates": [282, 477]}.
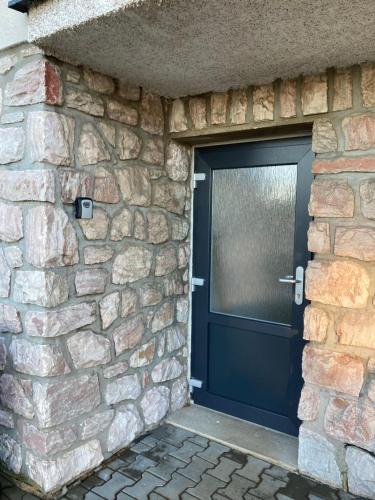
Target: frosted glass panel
{"type": "Point", "coordinates": [253, 215]}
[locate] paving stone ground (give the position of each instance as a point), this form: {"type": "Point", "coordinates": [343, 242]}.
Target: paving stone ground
{"type": "Point", "coordinates": [171, 463]}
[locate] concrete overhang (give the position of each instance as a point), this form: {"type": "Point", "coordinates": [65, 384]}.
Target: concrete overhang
{"type": "Point", "coordinates": [180, 47]}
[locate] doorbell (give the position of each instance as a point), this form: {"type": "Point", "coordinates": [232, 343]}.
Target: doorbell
{"type": "Point", "coordinates": [84, 208]}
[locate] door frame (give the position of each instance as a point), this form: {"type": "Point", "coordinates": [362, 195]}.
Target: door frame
{"type": "Point", "coordinates": [309, 158]}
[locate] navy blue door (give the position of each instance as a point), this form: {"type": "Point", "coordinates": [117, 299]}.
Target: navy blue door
{"type": "Point", "coordinates": [250, 237]}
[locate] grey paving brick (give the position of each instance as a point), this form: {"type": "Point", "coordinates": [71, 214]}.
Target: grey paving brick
{"type": "Point", "coordinates": [187, 451]}
{"type": "Point", "coordinates": [278, 473]}
{"type": "Point", "coordinates": [196, 468]}
{"type": "Point", "coordinates": [149, 440]}
{"type": "Point", "coordinates": [267, 488]}
{"type": "Point", "coordinates": [174, 488]}
{"type": "Point", "coordinates": [213, 452]}
{"type": "Point", "coordinates": [171, 434]}
{"type": "Point", "coordinates": [127, 457]}
{"type": "Point", "coordinates": [202, 441]}
{"type": "Point", "coordinates": [236, 456]}
{"type": "Point", "coordinates": [110, 488]}
{"type": "Point", "coordinates": [155, 496]}
{"type": "Point", "coordinates": [77, 493]}
{"type": "Point", "coordinates": [167, 467]}
{"type": "Point", "coordinates": [135, 469]}
{"type": "Point", "coordinates": [93, 496]}
{"type": "Point", "coordinates": [105, 473]}
{"type": "Point", "coordinates": [224, 469]}
{"type": "Point", "coordinates": [253, 468]}
{"type": "Point", "coordinates": [92, 481]}
{"type": "Point", "coordinates": [13, 493]}
{"type": "Point", "coordinates": [206, 487]}
{"type": "Point", "coordinates": [139, 447]}
{"type": "Point", "coordinates": [116, 463]}
{"type": "Point", "coordinates": [237, 487]}
{"type": "Point", "coordinates": [160, 450]}
{"type": "Point", "coordinates": [123, 496]}
{"type": "Point", "coordinates": [144, 486]}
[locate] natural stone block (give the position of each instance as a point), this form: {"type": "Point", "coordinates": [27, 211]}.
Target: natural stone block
{"type": "Point", "coordinates": [324, 137]}
{"type": "Point", "coordinates": [53, 474]}
{"type": "Point", "coordinates": [155, 404]}
{"type": "Point", "coordinates": [359, 132]}
{"type": "Point", "coordinates": [73, 75]}
{"type": "Point", "coordinates": [337, 283]}
{"type": "Point", "coordinates": [12, 144]}
{"type": "Point", "coordinates": [165, 261]}
{"type": "Point", "coordinates": [331, 199]}
{"type": "Point", "coordinates": [163, 317]}
{"type": "Point", "coordinates": [361, 471]}
{"type": "Point", "coordinates": [128, 144]}
{"type": "Point", "coordinates": [129, 302]}
{"type": "Point", "coordinates": [179, 394]}
{"type": "Point", "coordinates": [357, 242]}
{"type": "Point", "coordinates": [47, 443]}
{"type": "Point", "coordinates": [5, 274]}
{"type": "Point", "coordinates": [333, 370]}
{"type": "Point", "coordinates": [58, 402]}
{"type": "Point", "coordinates": [97, 227]}
{"type": "Point", "coordinates": [50, 137]}
{"type": "Point", "coordinates": [90, 281]}
{"type": "Point", "coordinates": [351, 422]}
{"type": "Point", "coordinates": [122, 112]}
{"type": "Point", "coordinates": [288, 98]}
{"type": "Point", "coordinates": [129, 92]}
{"type": "Point", "coordinates": [75, 184]}
{"type": "Point", "coordinates": [11, 223]}
{"type": "Point", "coordinates": [126, 425]}
{"type": "Point", "coordinates": [108, 132]}
{"type": "Point", "coordinates": [13, 396]}
{"type": "Point", "coordinates": [10, 321]}
{"type": "Point", "coordinates": [98, 82]}
{"type": "Point", "coordinates": [7, 63]}
{"type": "Point", "coordinates": [9, 118]}
{"type": "Point", "coordinates": [50, 238]}
{"type": "Point", "coordinates": [85, 102]}
{"type": "Point", "coordinates": [360, 164]}
{"type": "Point", "coordinates": [357, 328]}
{"type": "Point", "coordinates": [6, 419]}
{"type": "Point", "coordinates": [173, 285]}
{"type": "Point", "coordinates": [37, 81]}
{"type": "Point", "coordinates": [177, 162]}
{"type": "Point", "coordinates": [61, 321]}
{"type": "Point", "coordinates": [106, 190]}
{"type": "Point", "coordinates": [371, 391]}
{"type": "Point", "coordinates": [182, 310]}
{"type": "Point", "coordinates": [97, 255]}
{"type": "Point", "coordinates": [3, 354]}
{"type": "Point", "coordinates": [88, 349]}
{"type": "Point", "coordinates": [10, 453]}
{"type": "Point", "coordinates": [342, 89]}
{"type": "Point", "coordinates": [218, 108]}
{"type": "Point", "coordinates": [116, 369]}
{"type": "Point", "coordinates": [316, 322]}
{"type": "Point", "coordinates": [177, 117]}
{"type": "Point", "coordinates": [263, 103]}
{"type": "Point", "coordinates": [128, 334]}
{"type": "Point", "coordinates": [109, 309]}
{"type": "Point", "coordinates": [238, 107]}
{"type": "Point", "coordinates": [319, 237]}
{"type": "Point", "coordinates": [43, 288]}
{"type": "Point", "coordinates": [135, 185]}
{"type": "Point", "coordinates": [27, 185]}
{"type": "Point", "coordinates": [133, 264]}
{"type": "Point", "coordinates": [317, 458]}
{"type": "Point", "coordinates": [367, 194]}
{"type": "Point", "coordinates": [314, 94]}
{"type": "Point", "coordinates": [143, 356]}
{"type": "Point", "coordinates": [169, 195]}
{"type": "Point", "coordinates": [309, 403]}
{"type": "Point", "coordinates": [368, 85]}
{"type": "Point", "coordinates": [91, 147]}
{"type": "Point", "coordinates": [122, 388]}
{"type": "Point", "coordinates": [42, 360]}
{"type": "Point", "coordinates": [152, 116]}
{"type": "Point", "coordinates": [13, 256]}
{"type": "Point", "coordinates": [168, 369]}
{"type": "Point", "coordinates": [158, 229]}
{"type": "Point", "coordinates": [122, 225]}
{"type": "Point", "coordinates": [96, 424]}
{"type": "Point", "coordinates": [197, 108]}
{"type": "Point", "coordinates": [150, 295]}
{"type": "Point", "coordinates": [153, 151]}
{"type": "Point", "coordinates": [140, 230]}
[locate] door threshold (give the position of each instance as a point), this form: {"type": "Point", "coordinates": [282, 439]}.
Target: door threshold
{"type": "Point", "coordinates": [252, 439]}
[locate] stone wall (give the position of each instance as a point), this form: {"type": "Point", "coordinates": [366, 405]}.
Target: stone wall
{"type": "Point", "coordinates": [337, 406]}
{"type": "Point", "coordinates": [93, 313]}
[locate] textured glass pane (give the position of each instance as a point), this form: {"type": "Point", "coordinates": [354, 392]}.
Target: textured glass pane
{"type": "Point", "coordinates": [253, 212]}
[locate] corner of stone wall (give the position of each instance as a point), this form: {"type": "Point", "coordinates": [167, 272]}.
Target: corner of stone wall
{"type": "Point", "coordinates": [93, 313]}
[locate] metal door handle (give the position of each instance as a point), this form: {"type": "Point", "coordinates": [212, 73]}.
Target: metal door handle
{"type": "Point", "coordinates": [289, 279]}
{"type": "Point", "coordinates": [298, 281]}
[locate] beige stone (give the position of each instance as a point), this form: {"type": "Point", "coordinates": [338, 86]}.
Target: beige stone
{"type": "Point", "coordinates": [3, 354]}
{"type": "Point", "coordinates": [126, 425]}
{"type": "Point", "coordinates": [106, 190]}
{"type": "Point", "coordinates": [135, 185]}
{"type": "Point", "coordinates": [11, 223]}
{"type": "Point", "coordinates": [143, 356]}
{"type": "Point", "coordinates": [155, 404]}
{"type": "Point", "coordinates": [97, 227]}
{"type": "Point", "coordinates": [263, 103]}
{"type": "Point", "coordinates": [10, 321]}
{"type": "Point", "coordinates": [85, 102]}
{"type": "Point", "coordinates": [128, 334]}
{"type": "Point", "coordinates": [179, 394]}
{"type": "Point", "coordinates": [319, 237]}
{"type": "Point", "coordinates": [10, 453]}
{"type": "Point", "coordinates": [331, 199]}
{"type": "Point", "coordinates": [357, 242]}
{"type": "Point", "coordinates": [109, 309]}
{"type": "Point", "coordinates": [50, 137]}
{"type": "Point", "coordinates": [47, 443]}
{"type": "Point", "coordinates": [74, 184]}
{"type": "Point", "coordinates": [13, 396]}
{"type": "Point", "coordinates": [342, 89]}
{"type": "Point", "coordinates": [127, 387]}
{"type": "Point", "coordinates": [6, 419]}
{"type": "Point", "coordinates": [91, 147]}
{"type": "Point", "coordinates": [116, 369]}
{"type": "Point", "coordinates": [177, 161]}
{"type": "Point", "coordinates": [150, 294]}
{"type": "Point", "coordinates": [129, 92]}
{"type": "Point", "coordinates": [165, 261]}
{"type": "Point", "coordinates": [169, 195]}
{"type": "Point", "coordinates": [368, 84]}
{"type": "Point", "coordinates": [122, 112]}
{"type": "Point", "coordinates": [359, 132]}
{"type": "Point", "coordinates": [122, 224]}
{"type": "Point", "coordinates": [140, 230]}
{"type": "Point", "coordinates": [158, 229]}
{"type": "Point", "coordinates": [356, 164]}
{"type": "Point", "coordinates": [153, 151]}
{"type": "Point", "coordinates": [92, 426]}
{"type": "Point", "coordinates": [367, 195]}
{"type": "Point", "coordinates": [324, 137]}
{"type": "Point", "coordinates": [182, 309]}
{"type": "Point", "coordinates": [12, 144]}
{"type": "Point", "coordinates": [73, 75]}
{"type": "Point", "coordinates": [173, 285]}
{"type": "Point", "coordinates": [309, 403]}
{"type": "Point", "coordinates": [90, 281]}
{"type": "Point", "coordinates": [133, 264]}
{"type": "Point", "coordinates": [97, 255]}
{"type": "Point", "coordinates": [197, 108]}
{"type": "Point", "coordinates": [337, 283]}
{"type": "Point", "coordinates": [42, 288]}
{"type": "Point", "coordinates": [27, 185]}
{"type": "Point", "coordinates": [13, 256]}
{"type": "Point", "coordinates": [163, 317]}
{"type": "Point", "coordinates": [314, 94]}
{"type": "Point", "coordinates": [167, 369]}
{"type": "Point", "coordinates": [333, 370]}
{"type": "Point", "coordinates": [288, 98]}
{"type": "Point", "coordinates": [177, 117]}
{"type": "Point", "coordinates": [316, 322]}
{"type": "Point", "coordinates": [98, 82]}
{"type": "Point", "coordinates": [152, 116]}
{"type": "Point", "coordinates": [7, 63]}
{"type": "Point", "coordinates": [128, 144]}
{"type": "Point", "coordinates": [357, 328]}
{"type": "Point", "coordinates": [50, 238]}
{"type": "Point", "coordinates": [10, 118]}
{"type": "Point", "coordinates": [5, 274]}
{"type": "Point", "coordinates": [238, 107]}
{"type": "Point", "coordinates": [108, 132]}
{"type": "Point", "coordinates": [129, 302]}
{"type": "Point", "coordinates": [361, 472]}
{"type": "Point", "coordinates": [218, 108]}
{"type": "Point", "coordinates": [88, 349]}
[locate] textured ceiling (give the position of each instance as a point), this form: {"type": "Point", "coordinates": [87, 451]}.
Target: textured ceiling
{"type": "Point", "coordinates": [180, 47]}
